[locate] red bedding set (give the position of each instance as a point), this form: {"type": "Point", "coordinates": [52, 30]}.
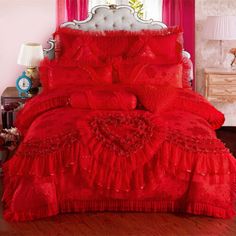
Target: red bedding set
{"type": "Point", "coordinates": [117, 128]}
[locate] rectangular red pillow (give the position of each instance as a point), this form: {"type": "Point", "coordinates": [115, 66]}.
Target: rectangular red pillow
{"type": "Point", "coordinates": [151, 73]}
{"type": "Point", "coordinates": [104, 100]}
{"type": "Point", "coordinates": [164, 45]}
{"type": "Point", "coordinates": [54, 74]}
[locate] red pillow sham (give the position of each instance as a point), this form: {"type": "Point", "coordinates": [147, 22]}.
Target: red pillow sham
{"type": "Point", "coordinates": [150, 73]}
{"type": "Point", "coordinates": [57, 75]}
{"type": "Point", "coordinates": [164, 45]}
{"type": "Point", "coordinates": [104, 100]}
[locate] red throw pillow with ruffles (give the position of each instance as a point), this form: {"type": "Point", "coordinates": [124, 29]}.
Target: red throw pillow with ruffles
{"type": "Point", "coordinates": [103, 100]}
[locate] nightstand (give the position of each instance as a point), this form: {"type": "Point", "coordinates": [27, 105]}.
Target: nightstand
{"type": "Point", "coordinates": [220, 90]}
{"type": "Point", "coordinates": [11, 103]}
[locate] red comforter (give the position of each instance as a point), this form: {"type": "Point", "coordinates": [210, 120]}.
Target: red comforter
{"type": "Point", "coordinates": [161, 156]}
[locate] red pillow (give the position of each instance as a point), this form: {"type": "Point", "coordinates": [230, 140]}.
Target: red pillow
{"type": "Point", "coordinates": [156, 98]}
{"type": "Point", "coordinates": [165, 45]}
{"type": "Point", "coordinates": [95, 47]}
{"type": "Point", "coordinates": [56, 75]}
{"type": "Point", "coordinates": [151, 74]}
{"type": "Point", "coordinates": [104, 100]}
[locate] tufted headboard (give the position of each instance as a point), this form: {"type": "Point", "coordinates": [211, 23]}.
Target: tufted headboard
{"type": "Point", "coordinates": [110, 17]}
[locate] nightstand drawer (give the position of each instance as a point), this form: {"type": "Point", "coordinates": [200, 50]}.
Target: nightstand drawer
{"type": "Point", "coordinates": [222, 79]}
{"type": "Point", "coordinates": [222, 90]}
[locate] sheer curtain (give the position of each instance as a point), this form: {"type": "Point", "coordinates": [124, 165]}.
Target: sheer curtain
{"type": "Point", "coordinates": [93, 3]}
{"type": "Point", "coordinates": [152, 9]}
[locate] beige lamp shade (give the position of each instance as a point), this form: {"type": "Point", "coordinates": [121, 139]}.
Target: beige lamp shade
{"type": "Point", "coordinates": [220, 28]}
{"type": "Point", "coordinates": [30, 54]}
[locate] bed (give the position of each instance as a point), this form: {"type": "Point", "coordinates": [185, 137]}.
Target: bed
{"type": "Point", "coordinates": [118, 127]}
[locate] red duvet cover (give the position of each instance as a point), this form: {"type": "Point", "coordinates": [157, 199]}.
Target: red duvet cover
{"type": "Point", "coordinates": [78, 154]}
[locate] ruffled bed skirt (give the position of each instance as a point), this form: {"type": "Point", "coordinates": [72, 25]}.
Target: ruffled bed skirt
{"type": "Point", "coordinates": [174, 180]}
{"type": "Point", "coordinates": [121, 206]}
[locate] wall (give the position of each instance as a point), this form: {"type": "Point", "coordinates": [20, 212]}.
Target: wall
{"type": "Point", "coordinates": [207, 52]}
{"type": "Point", "coordinates": [22, 21]}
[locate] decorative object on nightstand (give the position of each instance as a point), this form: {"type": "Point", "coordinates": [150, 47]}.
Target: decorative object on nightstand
{"type": "Point", "coordinates": [11, 103]}
{"type": "Point", "coordinates": [9, 140]}
{"type": "Point", "coordinates": [233, 63]}
{"type": "Point", "coordinates": [30, 55]}
{"type": "Point", "coordinates": [220, 90]}
{"type": "Point", "coordinates": [220, 28]}
{"type": "Point", "coordinates": [23, 85]}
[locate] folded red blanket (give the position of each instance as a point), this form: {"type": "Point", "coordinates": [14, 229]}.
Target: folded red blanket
{"type": "Point", "coordinates": [103, 100]}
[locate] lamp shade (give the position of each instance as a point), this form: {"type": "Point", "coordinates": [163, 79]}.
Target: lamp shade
{"type": "Point", "coordinates": [30, 54]}
{"type": "Point", "coordinates": [220, 28]}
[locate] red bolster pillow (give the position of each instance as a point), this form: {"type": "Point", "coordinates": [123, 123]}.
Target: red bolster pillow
{"type": "Point", "coordinates": [104, 100]}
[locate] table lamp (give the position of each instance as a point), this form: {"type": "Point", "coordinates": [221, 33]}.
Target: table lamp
{"type": "Point", "coordinates": [220, 28]}
{"type": "Point", "coordinates": [30, 56]}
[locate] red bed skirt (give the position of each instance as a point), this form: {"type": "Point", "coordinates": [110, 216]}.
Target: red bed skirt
{"type": "Point", "coordinates": [122, 206]}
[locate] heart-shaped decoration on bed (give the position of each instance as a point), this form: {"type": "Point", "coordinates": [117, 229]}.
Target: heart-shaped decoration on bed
{"type": "Point", "coordinates": [122, 133]}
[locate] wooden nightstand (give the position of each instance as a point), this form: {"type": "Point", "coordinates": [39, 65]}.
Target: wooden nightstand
{"type": "Point", "coordinates": [8, 98]}
{"type": "Point", "coordinates": [220, 90]}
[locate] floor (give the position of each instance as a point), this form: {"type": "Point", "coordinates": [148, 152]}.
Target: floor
{"type": "Point", "coordinates": [127, 224]}
{"type": "Point", "coordinates": [121, 224]}
{"type": "Point", "coordinates": [228, 136]}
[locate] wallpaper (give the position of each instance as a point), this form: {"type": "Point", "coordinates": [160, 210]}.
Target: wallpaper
{"type": "Point", "coordinates": [208, 52]}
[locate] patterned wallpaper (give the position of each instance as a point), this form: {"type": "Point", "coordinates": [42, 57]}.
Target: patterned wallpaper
{"type": "Point", "coordinates": [208, 52]}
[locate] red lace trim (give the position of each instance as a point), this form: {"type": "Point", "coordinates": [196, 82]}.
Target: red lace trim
{"type": "Point", "coordinates": [197, 144]}
{"type": "Point", "coordinates": [124, 144]}
{"type": "Point", "coordinates": [32, 214]}
{"type": "Point", "coordinates": [44, 147]}
{"type": "Point", "coordinates": [147, 206]}
{"type": "Point", "coordinates": [121, 33]}
{"type": "Point", "coordinates": [121, 205]}
{"type": "Point", "coordinates": [48, 164]}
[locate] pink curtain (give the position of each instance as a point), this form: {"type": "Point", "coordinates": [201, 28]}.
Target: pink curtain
{"type": "Point", "coordinates": [69, 10]}
{"type": "Point", "coordinates": [182, 12]}
{"type": "Point", "coordinates": [172, 12]}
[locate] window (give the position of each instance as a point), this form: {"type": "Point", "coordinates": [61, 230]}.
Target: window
{"type": "Point", "coordinates": [152, 9]}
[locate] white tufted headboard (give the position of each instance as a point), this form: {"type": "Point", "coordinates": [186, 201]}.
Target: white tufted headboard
{"type": "Point", "coordinates": [113, 17]}
{"type": "Point", "coordinates": [110, 17]}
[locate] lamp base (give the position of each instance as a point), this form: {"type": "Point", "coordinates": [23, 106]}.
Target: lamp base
{"type": "Point", "coordinates": [33, 74]}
